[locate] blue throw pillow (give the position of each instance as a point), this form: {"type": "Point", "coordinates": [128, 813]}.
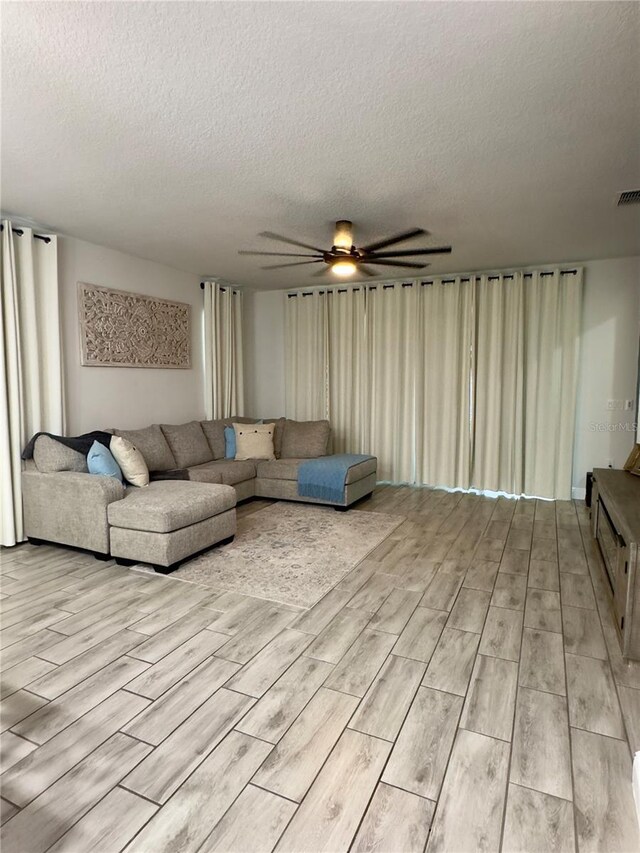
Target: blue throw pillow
{"type": "Point", "coordinates": [229, 442]}
{"type": "Point", "coordinates": [100, 461]}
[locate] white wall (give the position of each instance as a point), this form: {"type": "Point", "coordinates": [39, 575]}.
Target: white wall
{"type": "Point", "coordinates": [264, 353]}
{"type": "Point", "coordinates": [608, 363]}
{"type": "Point", "coordinates": [608, 366]}
{"type": "Point", "coordinates": [131, 397]}
{"type": "Point", "coordinates": [123, 396]}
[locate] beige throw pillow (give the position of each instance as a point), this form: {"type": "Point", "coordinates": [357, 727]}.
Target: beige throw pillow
{"type": "Point", "coordinates": [131, 461]}
{"type": "Point", "coordinates": [254, 441]}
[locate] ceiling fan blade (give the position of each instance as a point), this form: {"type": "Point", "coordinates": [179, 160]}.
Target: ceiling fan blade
{"type": "Point", "coordinates": [397, 238]}
{"type": "Point", "coordinates": [366, 270]}
{"type": "Point", "coordinates": [277, 254]}
{"type": "Point", "coordinates": [406, 264]}
{"type": "Point", "coordinates": [296, 264]}
{"type": "Point", "coordinates": [403, 253]}
{"type": "Point", "coordinates": [271, 236]}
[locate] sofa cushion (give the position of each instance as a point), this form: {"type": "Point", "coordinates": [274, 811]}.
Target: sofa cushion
{"type": "Point", "coordinates": [151, 442]}
{"type": "Point", "coordinates": [279, 469]}
{"type": "Point", "coordinates": [362, 470]}
{"type": "Point", "coordinates": [228, 471]}
{"type": "Point", "coordinates": [305, 439]}
{"type": "Point", "coordinates": [51, 456]}
{"type": "Point", "coordinates": [214, 432]}
{"type": "Point", "coordinates": [254, 441]}
{"type": "Point", "coordinates": [100, 461]}
{"type": "Point", "coordinates": [235, 471]}
{"type": "Point", "coordinates": [277, 433]}
{"type": "Point", "coordinates": [188, 444]}
{"type": "Point", "coordinates": [229, 442]}
{"type": "Point", "coordinates": [131, 461]}
{"type": "Point", "coordinates": [204, 473]}
{"type": "Point", "coordinates": [287, 469]}
{"type": "Point", "coordinates": [170, 505]}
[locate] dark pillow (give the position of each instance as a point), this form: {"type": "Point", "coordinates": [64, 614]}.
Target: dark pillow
{"type": "Point", "coordinates": [305, 439]}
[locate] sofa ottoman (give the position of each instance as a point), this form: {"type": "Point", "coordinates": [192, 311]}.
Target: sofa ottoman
{"type": "Point", "coordinates": [170, 520]}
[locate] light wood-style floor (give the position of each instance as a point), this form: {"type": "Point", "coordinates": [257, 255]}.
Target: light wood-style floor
{"type": "Point", "coordinates": [460, 690]}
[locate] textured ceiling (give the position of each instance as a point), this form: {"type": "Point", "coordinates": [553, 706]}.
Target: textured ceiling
{"type": "Point", "coordinates": [178, 131]}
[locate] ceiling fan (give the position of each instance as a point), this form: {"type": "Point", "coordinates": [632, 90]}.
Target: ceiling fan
{"type": "Point", "coordinates": [344, 259]}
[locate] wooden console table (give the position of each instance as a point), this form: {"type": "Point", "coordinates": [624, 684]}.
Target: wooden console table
{"type": "Point", "coordinates": [615, 521]}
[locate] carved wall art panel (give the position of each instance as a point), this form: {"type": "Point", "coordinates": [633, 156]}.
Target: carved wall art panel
{"type": "Point", "coordinates": [120, 329]}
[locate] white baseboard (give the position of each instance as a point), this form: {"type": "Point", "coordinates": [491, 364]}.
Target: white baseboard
{"type": "Point", "coordinates": [578, 494]}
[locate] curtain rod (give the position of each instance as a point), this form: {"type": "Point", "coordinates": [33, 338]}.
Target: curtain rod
{"type": "Point", "coordinates": [223, 289]}
{"type": "Point", "coordinates": [426, 282]}
{"type": "Point", "coordinates": [322, 292]}
{"type": "Point", "coordinates": [497, 277]}
{"type": "Point", "coordinates": [20, 232]}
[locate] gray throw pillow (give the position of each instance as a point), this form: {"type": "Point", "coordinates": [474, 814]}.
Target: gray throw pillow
{"type": "Point", "coordinates": [305, 439]}
{"type": "Point", "coordinates": [188, 444]}
{"type": "Point", "coordinates": [214, 432]}
{"type": "Point", "coordinates": [277, 434]}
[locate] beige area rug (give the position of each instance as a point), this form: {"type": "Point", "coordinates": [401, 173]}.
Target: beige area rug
{"type": "Point", "coordinates": [291, 553]}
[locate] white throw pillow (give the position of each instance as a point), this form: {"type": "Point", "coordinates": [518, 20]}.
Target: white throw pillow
{"type": "Point", "coordinates": [254, 441]}
{"type": "Point", "coordinates": [130, 460]}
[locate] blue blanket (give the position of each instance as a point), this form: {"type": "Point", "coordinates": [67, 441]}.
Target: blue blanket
{"type": "Point", "coordinates": [324, 478]}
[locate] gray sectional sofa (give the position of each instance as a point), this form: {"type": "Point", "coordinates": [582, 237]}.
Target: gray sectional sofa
{"type": "Point", "coordinates": [190, 502]}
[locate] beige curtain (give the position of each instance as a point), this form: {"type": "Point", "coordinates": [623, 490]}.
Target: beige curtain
{"type": "Point", "coordinates": [31, 396]}
{"type": "Point", "coordinates": [444, 364]}
{"type": "Point", "coordinates": [306, 350]}
{"type": "Point", "coordinates": [223, 368]}
{"type": "Point", "coordinates": [552, 328]}
{"type": "Point", "coordinates": [499, 384]}
{"type": "Point", "coordinates": [392, 351]}
{"type": "Point", "coordinates": [527, 348]}
{"type": "Point", "coordinates": [347, 366]}
{"type": "Point", "coordinates": [459, 382]}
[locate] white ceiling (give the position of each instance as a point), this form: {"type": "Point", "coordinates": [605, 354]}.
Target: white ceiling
{"type": "Point", "coordinates": [178, 131]}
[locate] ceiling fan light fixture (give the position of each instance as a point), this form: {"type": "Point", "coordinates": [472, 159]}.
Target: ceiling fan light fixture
{"type": "Point", "coordinates": [344, 258]}
{"type": "Point", "coordinates": [343, 238]}
{"type": "Point", "coordinates": [343, 268]}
